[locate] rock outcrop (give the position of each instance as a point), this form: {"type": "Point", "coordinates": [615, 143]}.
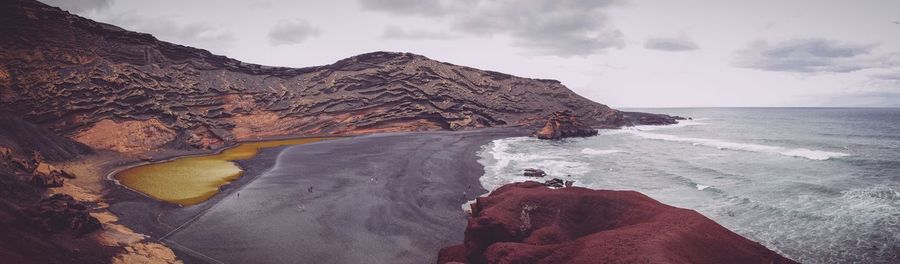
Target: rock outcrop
{"type": "Point", "coordinates": [537, 173]}
{"type": "Point", "coordinates": [637, 118]}
{"type": "Point", "coordinates": [18, 138]}
{"type": "Point", "coordinates": [564, 124]}
{"type": "Point", "coordinates": [25, 137]}
{"type": "Point", "coordinates": [531, 223]}
{"type": "Point", "coordinates": [32, 231]}
{"type": "Point", "coordinates": [61, 213]}
{"type": "Point", "coordinates": [89, 80]}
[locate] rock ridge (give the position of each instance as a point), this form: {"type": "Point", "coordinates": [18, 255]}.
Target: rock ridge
{"type": "Point", "coordinates": [84, 79]}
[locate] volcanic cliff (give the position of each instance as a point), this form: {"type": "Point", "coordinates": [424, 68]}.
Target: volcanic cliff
{"type": "Point", "coordinates": [129, 92]}
{"type": "Point", "coordinates": [530, 223]}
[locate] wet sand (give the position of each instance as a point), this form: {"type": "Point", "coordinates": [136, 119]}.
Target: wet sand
{"type": "Point", "coordinates": [386, 198]}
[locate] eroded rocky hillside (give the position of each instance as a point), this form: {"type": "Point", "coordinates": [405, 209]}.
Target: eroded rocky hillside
{"type": "Point", "coordinates": [114, 89]}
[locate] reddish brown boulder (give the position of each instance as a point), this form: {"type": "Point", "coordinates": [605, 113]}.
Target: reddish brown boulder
{"type": "Point", "coordinates": [61, 213]}
{"type": "Point", "coordinates": [530, 223]}
{"type": "Point", "coordinates": [564, 124]}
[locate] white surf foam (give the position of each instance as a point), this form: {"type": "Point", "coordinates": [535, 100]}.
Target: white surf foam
{"type": "Point", "coordinates": [680, 124]}
{"type": "Point", "coordinates": [720, 144]}
{"type": "Point", "coordinates": [701, 187]}
{"type": "Point", "coordinates": [597, 152]}
{"type": "Point", "coordinates": [504, 163]}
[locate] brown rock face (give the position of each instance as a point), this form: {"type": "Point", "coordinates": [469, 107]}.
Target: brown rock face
{"type": "Point", "coordinates": [59, 213]}
{"type": "Point", "coordinates": [530, 223]}
{"type": "Point", "coordinates": [127, 136]}
{"type": "Point", "coordinates": [45, 175]}
{"type": "Point", "coordinates": [82, 78]}
{"type": "Point", "coordinates": [564, 124]}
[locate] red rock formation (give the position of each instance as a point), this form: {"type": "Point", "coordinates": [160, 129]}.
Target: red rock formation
{"type": "Point", "coordinates": [530, 223]}
{"type": "Point", "coordinates": [564, 124]}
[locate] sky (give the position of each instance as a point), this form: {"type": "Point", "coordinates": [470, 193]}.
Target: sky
{"type": "Point", "coordinates": [624, 53]}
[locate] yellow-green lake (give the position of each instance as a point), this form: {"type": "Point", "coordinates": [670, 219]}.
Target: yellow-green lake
{"type": "Point", "coordinates": [194, 179]}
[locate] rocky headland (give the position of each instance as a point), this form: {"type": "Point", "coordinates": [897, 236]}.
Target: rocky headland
{"type": "Point", "coordinates": [530, 223]}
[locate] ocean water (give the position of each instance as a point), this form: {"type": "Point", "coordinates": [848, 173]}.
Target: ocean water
{"type": "Point", "coordinates": [817, 185]}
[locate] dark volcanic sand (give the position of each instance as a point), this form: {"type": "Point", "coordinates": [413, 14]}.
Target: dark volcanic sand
{"type": "Point", "coordinates": [387, 198]}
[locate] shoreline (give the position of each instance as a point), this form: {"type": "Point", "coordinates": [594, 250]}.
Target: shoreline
{"type": "Point", "coordinates": [158, 219]}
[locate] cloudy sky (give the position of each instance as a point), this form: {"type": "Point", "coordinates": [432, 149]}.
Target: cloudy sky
{"type": "Point", "coordinates": [625, 53]}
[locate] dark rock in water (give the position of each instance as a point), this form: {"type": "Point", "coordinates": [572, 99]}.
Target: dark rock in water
{"type": "Point", "coordinates": [534, 173]}
{"type": "Point", "coordinates": [564, 124]}
{"type": "Point", "coordinates": [638, 118]}
{"type": "Point", "coordinates": [531, 223]}
{"type": "Point", "coordinates": [555, 183]}
{"type": "Point", "coordinates": [570, 183]}
{"type": "Point", "coordinates": [60, 213]}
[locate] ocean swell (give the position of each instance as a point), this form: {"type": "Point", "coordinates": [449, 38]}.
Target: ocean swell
{"type": "Point", "coordinates": [720, 144]}
{"type": "Point", "coordinates": [597, 152]}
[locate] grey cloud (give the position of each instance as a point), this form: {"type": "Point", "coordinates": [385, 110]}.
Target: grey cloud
{"type": "Point", "coordinates": [418, 7]}
{"type": "Point", "coordinates": [549, 27]}
{"type": "Point", "coordinates": [397, 33]}
{"type": "Point", "coordinates": [670, 44]}
{"type": "Point", "coordinates": [812, 55]}
{"type": "Point", "coordinates": [894, 76]}
{"type": "Point", "coordinates": [193, 34]}
{"type": "Point", "coordinates": [291, 32]}
{"type": "Point", "coordinates": [80, 6]}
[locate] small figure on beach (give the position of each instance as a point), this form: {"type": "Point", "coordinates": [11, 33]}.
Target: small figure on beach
{"type": "Point", "coordinates": [310, 189]}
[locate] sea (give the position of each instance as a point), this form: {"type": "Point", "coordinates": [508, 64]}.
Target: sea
{"type": "Point", "coordinates": [818, 185]}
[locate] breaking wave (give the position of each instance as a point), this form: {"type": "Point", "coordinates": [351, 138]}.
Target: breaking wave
{"type": "Point", "coordinates": [590, 151]}
{"type": "Point", "coordinates": [720, 144]}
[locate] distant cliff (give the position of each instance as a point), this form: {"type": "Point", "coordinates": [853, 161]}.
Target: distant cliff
{"type": "Point", "coordinates": [95, 82]}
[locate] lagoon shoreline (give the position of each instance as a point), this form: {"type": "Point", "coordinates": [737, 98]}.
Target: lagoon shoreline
{"type": "Point", "coordinates": [402, 163]}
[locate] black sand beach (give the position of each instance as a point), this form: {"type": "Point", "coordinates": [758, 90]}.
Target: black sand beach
{"type": "Point", "coordinates": [386, 198]}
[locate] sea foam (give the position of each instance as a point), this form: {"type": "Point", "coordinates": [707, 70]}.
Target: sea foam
{"type": "Point", "coordinates": [722, 145]}
{"type": "Point", "coordinates": [590, 151]}
{"type": "Point", "coordinates": [504, 160]}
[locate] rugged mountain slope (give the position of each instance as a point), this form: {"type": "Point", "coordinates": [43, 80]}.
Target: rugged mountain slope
{"type": "Point", "coordinates": [115, 89]}
{"type": "Point", "coordinates": [30, 233]}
